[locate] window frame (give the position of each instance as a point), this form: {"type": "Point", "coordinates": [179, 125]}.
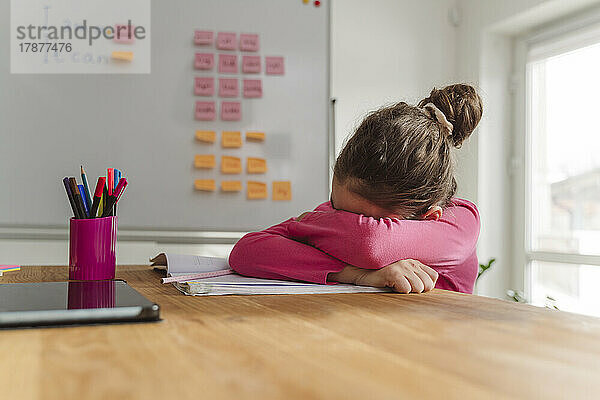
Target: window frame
{"type": "Point", "coordinates": [553, 39]}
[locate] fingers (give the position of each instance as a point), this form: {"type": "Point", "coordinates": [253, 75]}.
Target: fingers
{"type": "Point", "coordinates": [416, 284]}
{"type": "Point", "coordinates": [400, 285]}
{"type": "Point", "coordinates": [430, 271]}
{"type": "Point", "coordinates": [428, 283]}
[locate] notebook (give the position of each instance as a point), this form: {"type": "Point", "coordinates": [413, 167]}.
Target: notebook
{"type": "Point", "coordinates": [178, 265]}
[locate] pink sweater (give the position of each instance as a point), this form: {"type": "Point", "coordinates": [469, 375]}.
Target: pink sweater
{"type": "Point", "coordinates": [326, 240]}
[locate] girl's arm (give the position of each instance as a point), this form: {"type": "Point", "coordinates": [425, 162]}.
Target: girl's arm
{"type": "Point", "coordinates": [371, 243]}
{"type": "Point", "coordinates": [272, 254]}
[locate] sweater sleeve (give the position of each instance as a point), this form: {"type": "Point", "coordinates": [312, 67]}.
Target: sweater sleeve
{"type": "Point", "coordinates": [272, 254]}
{"type": "Point", "coordinates": [372, 243]}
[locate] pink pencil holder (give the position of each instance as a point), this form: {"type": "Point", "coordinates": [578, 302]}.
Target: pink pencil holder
{"type": "Point", "coordinates": [92, 243]}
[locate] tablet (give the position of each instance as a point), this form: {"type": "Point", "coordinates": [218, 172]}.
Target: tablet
{"type": "Point", "coordinates": [68, 303]}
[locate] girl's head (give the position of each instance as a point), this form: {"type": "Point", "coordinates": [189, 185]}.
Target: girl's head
{"type": "Point", "coordinates": [399, 161]}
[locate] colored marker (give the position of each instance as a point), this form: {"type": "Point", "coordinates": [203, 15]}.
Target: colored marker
{"type": "Point", "coordinates": [70, 196]}
{"type": "Point", "coordinates": [77, 198]}
{"type": "Point", "coordinates": [97, 196]}
{"type": "Point", "coordinates": [112, 200]}
{"type": "Point", "coordinates": [110, 175]}
{"type": "Point", "coordinates": [88, 198]}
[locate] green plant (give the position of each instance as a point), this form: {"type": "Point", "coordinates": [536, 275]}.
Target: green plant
{"type": "Point", "coordinates": [485, 267]}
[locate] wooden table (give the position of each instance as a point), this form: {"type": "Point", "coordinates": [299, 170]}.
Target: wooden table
{"type": "Point", "coordinates": [364, 346]}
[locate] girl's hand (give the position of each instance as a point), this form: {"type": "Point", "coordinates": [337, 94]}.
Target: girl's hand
{"type": "Point", "coordinates": [404, 276]}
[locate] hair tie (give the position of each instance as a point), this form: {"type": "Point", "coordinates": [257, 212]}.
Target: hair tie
{"type": "Point", "coordinates": [439, 117]}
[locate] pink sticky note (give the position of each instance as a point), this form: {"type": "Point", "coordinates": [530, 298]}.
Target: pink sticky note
{"type": "Point", "coordinates": [203, 38]}
{"type": "Point", "coordinates": [204, 86]}
{"type": "Point", "coordinates": [252, 88]}
{"type": "Point", "coordinates": [249, 42]}
{"type": "Point", "coordinates": [205, 110]}
{"type": "Point", "coordinates": [226, 41]}
{"type": "Point", "coordinates": [228, 87]}
{"type": "Point", "coordinates": [251, 64]}
{"type": "Point", "coordinates": [124, 33]}
{"type": "Point", "coordinates": [204, 61]}
{"type": "Point", "coordinates": [228, 64]}
{"type": "Point", "coordinates": [274, 65]}
{"type": "Point", "coordinates": [231, 111]}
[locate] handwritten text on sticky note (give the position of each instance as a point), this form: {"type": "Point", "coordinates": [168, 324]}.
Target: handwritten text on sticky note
{"type": "Point", "coordinates": [231, 165]}
{"type": "Point", "coordinates": [255, 136]}
{"type": "Point", "coordinates": [228, 87]}
{"type": "Point", "coordinates": [203, 38]}
{"type": "Point", "coordinates": [274, 65]}
{"type": "Point", "coordinates": [282, 190]}
{"type": "Point", "coordinates": [204, 61]}
{"type": "Point", "coordinates": [249, 42]}
{"type": "Point", "coordinates": [256, 165]}
{"type": "Point", "coordinates": [251, 64]}
{"type": "Point", "coordinates": [205, 110]}
{"type": "Point", "coordinates": [206, 136]}
{"type": "Point", "coordinates": [231, 186]}
{"type": "Point", "coordinates": [256, 190]}
{"type": "Point", "coordinates": [231, 139]}
{"type": "Point", "coordinates": [204, 86]}
{"type": "Point", "coordinates": [228, 64]}
{"type": "Point", "coordinates": [252, 88]}
{"type": "Point", "coordinates": [226, 41]}
{"type": "Point", "coordinates": [204, 161]}
{"type": "Point", "coordinates": [207, 185]}
{"type": "Point", "coordinates": [231, 111]}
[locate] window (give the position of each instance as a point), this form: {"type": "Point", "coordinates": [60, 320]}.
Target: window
{"type": "Point", "coordinates": [562, 182]}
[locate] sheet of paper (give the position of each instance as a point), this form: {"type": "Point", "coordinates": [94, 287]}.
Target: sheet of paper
{"type": "Point", "coordinates": [204, 161]}
{"type": "Point", "coordinates": [204, 61]}
{"type": "Point", "coordinates": [251, 64]}
{"type": "Point", "coordinates": [204, 86]}
{"type": "Point", "coordinates": [228, 87]}
{"type": "Point", "coordinates": [231, 139]}
{"type": "Point", "coordinates": [256, 190]}
{"type": "Point", "coordinates": [205, 110]}
{"type": "Point", "coordinates": [228, 64]}
{"type": "Point", "coordinates": [231, 111]}
{"type": "Point", "coordinates": [231, 165]}
{"type": "Point", "coordinates": [282, 190]}
{"type": "Point", "coordinates": [252, 88]}
{"type": "Point", "coordinates": [231, 186]}
{"type": "Point", "coordinates": [249, 42]}
{"type": "Point", "coordinates": [206, 185]}
{"type": "Point", "coordinates": [203, 38]}
{"type": "Point", "coordinates": [206, 136]}
{"type": "Point", "coordinates": [274, 65]}
{"type": "Point", "coordinates": [188, 264]}
{"type": "Point", "coordinates": [226, 41]}
{"type": "Point", "coordinates": [255, 136]}
{"type": "Point", "coordinates": [256, 165]}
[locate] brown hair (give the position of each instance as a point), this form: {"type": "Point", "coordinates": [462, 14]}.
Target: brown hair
{"type": "Point", "coordinates": [400, 156]}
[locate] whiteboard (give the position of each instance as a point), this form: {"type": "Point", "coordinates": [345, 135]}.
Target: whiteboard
{"type": "Point", "coordinates": [144, 124]}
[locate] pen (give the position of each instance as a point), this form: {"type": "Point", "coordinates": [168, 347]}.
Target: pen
{"type": "Point", "coordinates": [77, 198]}
{"type": "Point", "coordinates": [110, 175]}
{"type": "Point", "coordinates": [112, 200]}
{"type": "Point", "coordinates": [88, 199]}
{"type": "Point", "coordinates": [70, 196]}
{"type": "Point", "coordinates": [84, 200]}
{"type": "Point", "coordinates": [97, 196]}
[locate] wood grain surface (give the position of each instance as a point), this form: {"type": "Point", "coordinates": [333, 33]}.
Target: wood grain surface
{"type": "Point", "coordinates": [342, 346]}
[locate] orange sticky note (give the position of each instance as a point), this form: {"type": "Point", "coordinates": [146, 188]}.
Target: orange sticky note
{"type": "Point", "coordinates": [206, 136]}
{"type": "Point", "coordinates": [231, 165]}
{"type": "Point", "coordinates": [204, 161]}
{"type": "Point", "coordinates": [231, 186]}
{"type": "Point", "coordinates": [256, 190]}
{"type": "Point", "coordinates": [255, 136]}
{"type": "Point", "coordinates": [122, 55]}
{"type": "Point", "coordinates": [231, 139]}
{"type": "Point", "coordinates": [207, 185]}
{"type": "Point", "coordinates": [282, 190]}
{"type": "Point", "coordinates": [256, 165]}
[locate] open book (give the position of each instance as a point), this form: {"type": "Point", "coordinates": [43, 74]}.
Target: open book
{"type": "Point", "coordinates": [178, 265]}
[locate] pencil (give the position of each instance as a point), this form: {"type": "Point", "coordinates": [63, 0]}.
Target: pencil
{"type": "Point", "coordinates": [70, 196]}
{"type": "Point", "coordinates": [77, 198]}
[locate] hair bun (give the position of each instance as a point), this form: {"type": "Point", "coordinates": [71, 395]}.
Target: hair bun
{"type": "Point", "coordinates": [461, 106]}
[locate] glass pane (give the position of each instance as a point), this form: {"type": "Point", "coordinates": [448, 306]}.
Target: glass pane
{"type": "Point", "coordinates": [567, 287]}
{"type": "Point", "coordinates": [564, 117]}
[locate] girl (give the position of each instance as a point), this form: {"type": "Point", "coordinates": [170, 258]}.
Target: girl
{"type": "Point", "coordinates": [392, 220]}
